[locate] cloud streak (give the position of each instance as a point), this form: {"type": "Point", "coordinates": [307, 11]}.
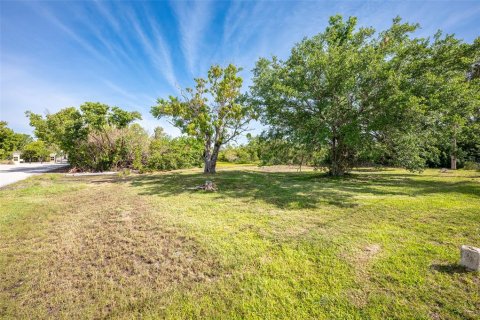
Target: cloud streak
{"type": "Point", "coordinates": [193, 19]}
{"type": "Point", "coordinates": [87, 46]}
{"type": "Point", "coordinates": [156, 50]}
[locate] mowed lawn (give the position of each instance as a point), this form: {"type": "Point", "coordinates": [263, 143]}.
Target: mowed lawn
{"type": "Point", "coordinates": [272, 243]}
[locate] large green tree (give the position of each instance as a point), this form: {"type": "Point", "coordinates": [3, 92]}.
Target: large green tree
{"type": "Point", "coordinates": [447, 82]}
{"type": "Point", "coordinates": [213, 112]}
{"type": "Point", "coordinates": [365, 96]}
{"type": "Point", "coordinates": [333, 91]}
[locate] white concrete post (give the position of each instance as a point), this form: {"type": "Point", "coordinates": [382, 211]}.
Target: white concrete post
{"type": "Point", "coordinates": [470, 257]}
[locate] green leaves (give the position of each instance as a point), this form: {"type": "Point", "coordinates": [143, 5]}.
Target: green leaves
{"type": "Point", "coordinates": [120, 118]}
{"type": "Point", "coordinates": [11, 141]}
{"type": "Point", "coordinates": [319, 94]}
{"type": "Point", "coordinates": [97, 116]}
{"type": "Point", "coordinates": [174, 153]}
{"type": "Point", "coordinates": [349, 91]}
{"type": "Point", "coordinates": [214, 112]}
{"type": "Point", "coordinates": [35, 151]}
{"type": "Point", "coordinates": [94, 136]}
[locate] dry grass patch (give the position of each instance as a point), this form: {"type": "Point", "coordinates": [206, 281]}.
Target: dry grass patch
{"type": "Point", "coordinates": [101, 254]}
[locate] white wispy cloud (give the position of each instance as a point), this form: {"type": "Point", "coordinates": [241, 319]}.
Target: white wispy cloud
{"type": "Point", "coordinates": [106, 13]}
{"type": "Point", "coordinates": [193, 19]}
{"type": "Point", "coordinates": [157, 50]}
{"type": "Point", "coordinates": [125, 98]}
{"type": "Point", "coordinates": [132, 98]}
{"type": "Point", "coordinates": [117, 40]}
{"type": "Point", "coordinates": [163, 50]}
{"type": "Point", "coordinates": [252, 30]}
{"type": "Point", "coordinates": [244, 20]}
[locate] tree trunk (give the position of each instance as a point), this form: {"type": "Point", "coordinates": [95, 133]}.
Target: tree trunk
{"type": "Point", "coordinates": [211, 160]}
{"type": "Point", "coordinates": [453, 154]}
{"type": "Point", "coordinates": [337, 170]}
{"type": "Point", "coordinates": [339, 162]}
{"type": "Point", "coordinates": [453, 157]}
{"type": "Point", "coordinates": [210, 167]}
{"type": "Point", "coordinates": [210, 156]}
{"type": "Point", "coordinates": [210, 164]}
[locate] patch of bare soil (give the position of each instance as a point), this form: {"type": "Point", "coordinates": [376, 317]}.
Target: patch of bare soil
{"type": "Point", "coordinates": [107, 252]}
{"type": "Point", "coordinates": [367, 253]}
{"type": "Point", "coordinates": [360, 257]}
{"type": "Point", "coordinates": [360, 260]}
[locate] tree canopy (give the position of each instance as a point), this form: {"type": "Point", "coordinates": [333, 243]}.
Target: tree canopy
{"type": "Point", "coordinates": [93, 136]}
{"type": "Point", "coordinates": [213, 112]}
{"type": "Point", "coordinates": [35, 151]}
{"type": "Point", "coordinates": [362, 95]}
{"type": "Point", "coordinates": [11, 141]}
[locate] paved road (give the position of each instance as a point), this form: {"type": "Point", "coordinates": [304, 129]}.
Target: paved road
{"type": "Point", "coordinates": [13, 173]}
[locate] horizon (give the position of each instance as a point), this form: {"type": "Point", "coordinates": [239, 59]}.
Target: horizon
{"type": "Point", "coordinates": [58, 54]}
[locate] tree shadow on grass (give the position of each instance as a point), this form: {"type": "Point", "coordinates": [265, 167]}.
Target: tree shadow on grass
{"type": "Point", "coordinates": [295, 189]}
{"type": "Point", "coordinates": [279, 189]}
{"type": "Point", "coordinates": [408, 184]}
{"type": "Point", "coordinates": [451, 268]}
{"type": "Point", "coordinates": [290, 190]}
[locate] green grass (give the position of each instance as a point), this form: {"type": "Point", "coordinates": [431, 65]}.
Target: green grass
{"type": "Point", "coordinates": [271, 243]}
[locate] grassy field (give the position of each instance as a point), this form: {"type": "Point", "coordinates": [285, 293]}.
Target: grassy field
{"type": "Point", "coordinates": [272, 243]}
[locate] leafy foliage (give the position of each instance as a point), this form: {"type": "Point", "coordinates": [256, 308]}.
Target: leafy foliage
{"type": "Point", "coordinates": [35, 151]}
{"type": "Point", "coordinates": [247, 153]}
{"type": "Point", "coordinates": [213, 112]}
{"type": "Point", "coordinates": [372, 97]}
{"type": "Point", "coordinates": [11, 141]}
{"type": "Point", "coordinates": [95, 136]}
{"type": "Point", "coordinates": [166, 153]}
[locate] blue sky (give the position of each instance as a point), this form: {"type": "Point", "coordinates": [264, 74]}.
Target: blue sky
{"type": "Point", "coordinates": [62, 53]}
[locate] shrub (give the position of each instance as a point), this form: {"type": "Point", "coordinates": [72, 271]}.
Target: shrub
{"type": "Point", "coordinates": [471, 165]}
{"type": "Point", "coordinates": [35, 151]}
{"type": "Point", "coordinates": [166, 153]}
{"type": "Point", "coordinates": [114, 148]}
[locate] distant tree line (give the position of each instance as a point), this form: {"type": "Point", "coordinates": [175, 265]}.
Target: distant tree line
{"type": "Point", "coordinates": [11, 141]}
{"type": "Point", "coordinates": [345, 97]}
{"type": "Point", "coordinates": [30, 150]}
